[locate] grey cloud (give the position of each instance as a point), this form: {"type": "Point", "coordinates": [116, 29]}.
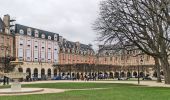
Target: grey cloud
{"type": "Point", "coordinates": [71, 18]}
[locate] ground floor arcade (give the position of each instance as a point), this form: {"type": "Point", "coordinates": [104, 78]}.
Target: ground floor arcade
{"type": "Point", "coordinates": [45, 71]}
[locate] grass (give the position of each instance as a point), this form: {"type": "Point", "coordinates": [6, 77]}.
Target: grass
{"type": "Point", "coordinates": [113, 92]}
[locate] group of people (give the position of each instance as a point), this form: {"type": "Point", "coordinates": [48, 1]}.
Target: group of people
{"type": "Point", "coordinates": [88, 77]}
{"type": "Point", "coordinates": [5, 80]}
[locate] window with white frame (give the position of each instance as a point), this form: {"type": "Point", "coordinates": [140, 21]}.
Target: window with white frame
{"type": "Point", "coordinates": [28, 55]}
{"type": "Point", "coordinates": [36, 33]}
{"type": "Point", "coordinates": [49, 37]}
{"type": "Point", "coordinates": [55, 37]}
{"type": "Point", "coordinates": [21, 31]}
{"type": "Point", "coordinates": [43, 36]}
{"type": "Point", "coordinates": [29, 31]}
{"type": "Point", "coordinates": [20, 54]}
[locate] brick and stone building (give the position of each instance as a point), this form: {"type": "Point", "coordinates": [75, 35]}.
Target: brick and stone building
{"type": "Point", "coordinates": [38, 49]}
{"type": "Point", "coordinates": [6, 39]}
{"type": "Point", "coordinates": [125, 63]}
{"type": "Point", "coordinates": [47, 54]}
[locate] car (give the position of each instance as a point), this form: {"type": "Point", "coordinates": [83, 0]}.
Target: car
{"type": "Point", "coordinates": [146, 78]}
{"type": "Point", "coordinates": [56, 78]}
{"type": "Point", "coordinates": [1, 80]}
{"type": "Point", "coordinates": [123, 78]}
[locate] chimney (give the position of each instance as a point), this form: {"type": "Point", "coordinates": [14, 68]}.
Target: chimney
{"type": "Point", "coordinates": [60, 39]}
{"type": "Point", "coordinates": [6, 21]}
{"type": "Point", "coordinates": [64, 40]}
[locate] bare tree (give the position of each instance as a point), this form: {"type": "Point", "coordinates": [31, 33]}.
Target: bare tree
{"type": "Point", "coordinates": [5, 64]}
{"type": "Point", "coordinates": [143, 23]}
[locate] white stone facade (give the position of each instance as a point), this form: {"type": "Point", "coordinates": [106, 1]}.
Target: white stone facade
{"type": "Point", "coordinates": [37, 54]}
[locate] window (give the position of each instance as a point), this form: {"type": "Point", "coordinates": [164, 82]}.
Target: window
{"type": "Point", "coordinates": [105, 59]}
{"type": "Point", "coordinates": [55, 37]}
{"type": "Point", "coordinates": [20, 58]}
{"type": "Point", "coordinates": [21, 31]}
{"type": "Point", "coordinates": [43, 56]}
{"type": "Point", "coordinates": [42, 59]}
{"type": "Point", "coordinates": [49, 37]}
{"type": "Point", "coordinates": [148, 58]}
{"type": "Point", "coordinates": [49, 55]}
{"type": "Point", "coordinates": [110, 58]}
{"type": "Point", "coordinates": [28, 59]}
{"type": "Point", "coordinates": [20, 52]}
{"type": "Point", "coordinates": [116, 59]}
{"type": "Point", "coordinates": [35, 55]}
{"type": "Point", "coordinates": [36, 33]}
{"type": "Point", "coordinates": [29, 42]}
{"type": "Point", "coordinates": [29, 31]}
{"type": "Point", "coordinates": [2, 40]}
{"type": "Point", "coordinates": [28, 54]}
{"type": "Point", "coordinates": [43, 36]}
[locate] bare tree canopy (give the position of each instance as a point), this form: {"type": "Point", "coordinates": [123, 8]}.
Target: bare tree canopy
{"type": "Point", "coordinates": [141, 23]}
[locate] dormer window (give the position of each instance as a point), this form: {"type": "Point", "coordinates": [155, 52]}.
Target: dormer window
{"type": "Point", "coordinates": [55, 37]}
{"type": "Point", "coordinates": [49, 37]}
{"type": "Point", "coordinates": [21, 31]}
{"type": "Point", "coordinates": [36, 33]}
{"type": "Point", "coordinates": [43, 36]}
{"type": "Point", "coordinates": [29, 31]}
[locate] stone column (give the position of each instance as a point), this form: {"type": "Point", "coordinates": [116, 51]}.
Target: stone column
{"type": "Point", "coordinates": [39, 72]}
{"type": "Point", "coordinates": [32, 72]}
{"type": "Point", "coordinates": [52, 72]}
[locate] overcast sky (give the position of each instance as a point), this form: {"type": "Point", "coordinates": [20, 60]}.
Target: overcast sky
{"type": "Point", "coordinates": [72, 19]}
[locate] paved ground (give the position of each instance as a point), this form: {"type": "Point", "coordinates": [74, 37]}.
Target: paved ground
{"type": "Point", "coordinates": [148, 83]}
{"type": "Point", "coordinates": [47, 90]}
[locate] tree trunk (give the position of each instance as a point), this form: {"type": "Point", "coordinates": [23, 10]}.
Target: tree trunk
{"type": "Point", "coordinates": [157, 66]}
{"type": "Point", "coordinates": [166, 69]}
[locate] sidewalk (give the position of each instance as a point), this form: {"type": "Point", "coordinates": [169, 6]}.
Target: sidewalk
{"type": "Point", "coordinates": [147, 83]}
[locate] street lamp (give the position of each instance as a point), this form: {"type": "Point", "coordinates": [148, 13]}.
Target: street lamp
{"type": "Point", "coordinates": [141, 61]}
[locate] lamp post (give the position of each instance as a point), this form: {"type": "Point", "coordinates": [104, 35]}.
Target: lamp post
{"type": "Point", "coordinates": [141, 61]}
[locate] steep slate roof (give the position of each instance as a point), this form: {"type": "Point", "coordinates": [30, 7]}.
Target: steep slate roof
{"type": "Point", "coordinates": [85, 47]}
{"type": "Point", "coordinates": [1, 24]}
{"type": "Point", "coordinates": [64, 44]}
{"type": "Point", "coordinates": [18, 27]}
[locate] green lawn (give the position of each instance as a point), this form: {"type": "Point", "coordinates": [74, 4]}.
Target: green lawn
{"type": "Point", "coordinates": [113, 92]}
